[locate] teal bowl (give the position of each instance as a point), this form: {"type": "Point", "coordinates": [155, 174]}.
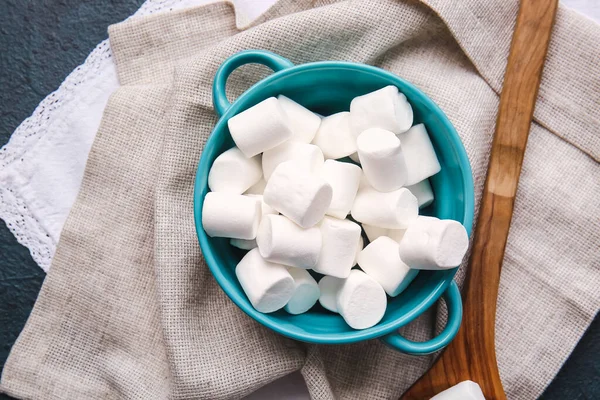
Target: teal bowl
{"type": "Point", "coordinates": [326, 88]}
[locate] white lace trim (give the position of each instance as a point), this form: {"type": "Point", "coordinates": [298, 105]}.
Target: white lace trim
{"type": "Point", "coordinates": [21, 221]}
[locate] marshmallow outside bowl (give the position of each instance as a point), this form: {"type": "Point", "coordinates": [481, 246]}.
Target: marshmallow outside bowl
{"type": "Point", "coordinates": [327, 88]}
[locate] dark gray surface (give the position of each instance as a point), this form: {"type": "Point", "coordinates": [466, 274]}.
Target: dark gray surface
{"type": "Point", "coordinates": [41, 41]}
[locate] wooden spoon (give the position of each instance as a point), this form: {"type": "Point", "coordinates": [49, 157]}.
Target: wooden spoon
{"type": "Point", "coordinates": [472, 355]}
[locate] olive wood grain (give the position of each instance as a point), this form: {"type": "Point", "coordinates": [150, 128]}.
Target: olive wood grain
{"type": "Point", "coordinates": [472, 355]}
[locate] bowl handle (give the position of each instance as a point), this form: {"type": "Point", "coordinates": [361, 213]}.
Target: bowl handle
{"type": "Point", "coordinates": [454, 304]}
{"type": "Point", "coordinates": [271, 60]}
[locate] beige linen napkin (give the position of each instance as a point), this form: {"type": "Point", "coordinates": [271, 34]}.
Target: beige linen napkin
{"type": "Point", "coordinates": [130, 310]}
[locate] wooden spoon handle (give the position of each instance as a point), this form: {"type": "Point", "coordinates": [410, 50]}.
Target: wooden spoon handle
{"type": "Point", "coordinates": [517, 102]}
{"type": "Point", "coordinates": [472, 353]}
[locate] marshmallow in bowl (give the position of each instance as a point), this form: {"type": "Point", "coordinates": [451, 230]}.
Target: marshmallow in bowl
{"type": "Point", "coordinates": [334, 136]}
{"type": "Point", "coordinates": [354, 157]}
{"type": "Point", "coordinates": [344, 179]}
{"type": "Point", "coordinates": [393, 210]}
{"type": "Point", "coordinates": [341, 238]}
{"type": "Point", "coordinates": [266, 209]}
{"type": "Point", "coordinates": [243, 244]}
{"type": "Point", "coordinates": [361, 300]}
{"type": "Point", "coordinates": [466, 390]}
{"type": "Point", "coordinates": [385, 108]}
{"type": "Point", "coordinates": [284, 195]}
{"type": "Point", "coordinates": [423, 192]}
{"type": "Point", "coordinates": [396, 234]}
{"type": "Point", "coordinates": [419, 154]}
{"type": "Point", "coordinates": [306, 292]}
{"type": "Point", "coordinates": [382, 159]}
{"type": "Point", "coordinates": [303, 122]}
{"type": "Point", "coordinates": [329, 287]}
{"type": "Point", "coordinates": [268, 286]}
{"type": "Point", "coordinates": [364, 183]}
{"type": "Point", "coordinates": [233, 172]}
{"type": "Point", "coordinates": [258, 187]}
{"type": "Point", "coordinates": [282, 241]}
{"type": "Point", "coordinates": [381, 261]}
{"type": "Point", "coordinates": [306, 155]}
{"type": "Point", "coordinates": [299, 195]}
{"type": "Point", "coordinates": [373, 232]}
{"type": "Point", "coordinates": [231, 215]}
{"type": "Point", "coordinates": [260, 128]}
{"type": "Point", "coordinates": [433, 244]}
{"type": "Point", "coordinates": [359, 248]}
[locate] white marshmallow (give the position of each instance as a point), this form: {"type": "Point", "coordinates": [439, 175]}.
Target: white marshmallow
{"type": "Point", "coordinates": [243, 243]}
{"type": "Point", "coordinates": [354, 157]}
{"type": "Point", "coordinates": [233, 172]}
{"type": "Point", "coordinates": [329, 287]}
{"type": "Point", "coordinates": [307, 156]}
{"type": "Point", "coordinates": [306, 292]}
{"type": "Point", "coordinates": [419, 155]}
{"type": "Point", "coordinates": [282, 241]}
{"type": "Point", "coordinates": [361, 246]}
{"type": "Point", "coordinates": [303, 122]}
{"type": "Point", "coordinates": [258, 187]}
{"type": "Point", "coordinates": [431, 243]}
{"type": "Point", "coordinates": [396, 234]}
{"type": "Point", "coordinates": [361, 300]}
{"type": "Point", "coordinates": [381, 261]}
{"type": "Point", "coordinates": [230, 215]}
{"type": "Point", "coordinates": [341, 237]}
{"type": "Point", "coordinates": [334, 136]}
{"type": "Point", "coordinates": [260, 128]}
{"type": "Point", "coordinates": [268, 286]}
{"type": "Point", "coordinates": [393, 210]}
{"type": "Point", "coordinates": [344, 179]}
{"type": "Point", "coordinates": [382, 159]}
{"type": "Point", "coordinates": [385, 108]}
{"type": "Point", "coordinates": [373, 232]}
{"type": "Point", "coordinates": [297, 194]}
{"type": "Point", "coordinates": [265, 208]}
{"type": "Point", "coordinates": [422, 192]}
{"type": "Point", "coordinates": [364, 183]}
{"type": "Point", "coordinates": [466, 390]}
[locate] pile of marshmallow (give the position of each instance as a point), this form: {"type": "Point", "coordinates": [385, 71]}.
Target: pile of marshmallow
{"type": "Point", "coordinates": [282, 194]}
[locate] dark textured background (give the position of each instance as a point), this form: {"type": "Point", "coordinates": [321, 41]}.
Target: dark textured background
{"type": "Point", "coordinates": [41, 41]}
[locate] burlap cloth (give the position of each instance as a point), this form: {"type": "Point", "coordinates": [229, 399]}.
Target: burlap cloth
{"type": "Point", "coordinates": [130, 310]}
